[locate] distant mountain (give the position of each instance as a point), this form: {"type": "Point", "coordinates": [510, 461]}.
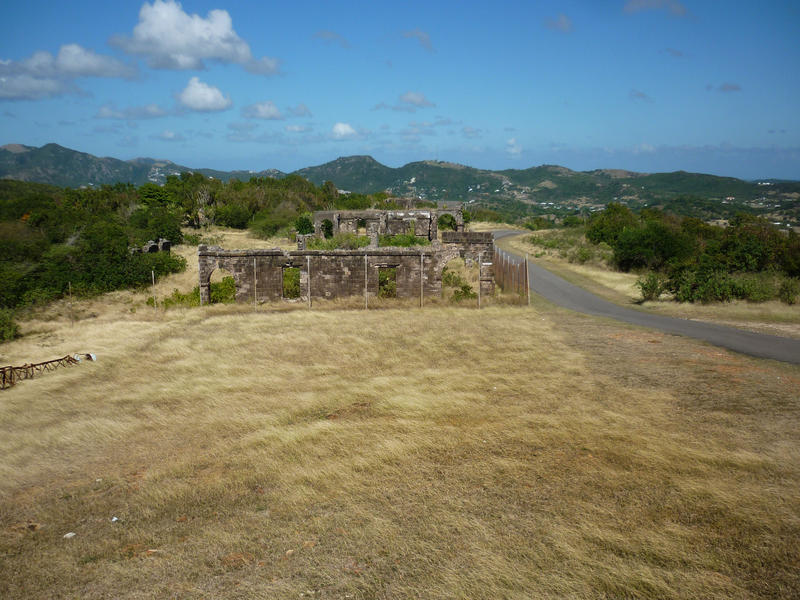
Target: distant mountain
{"type": "Point", "coordinates": [361, 174]}
{"type": "Point", "coordinates": [65, 167]}
{"type": "Point", "coordinates": [540, 187]}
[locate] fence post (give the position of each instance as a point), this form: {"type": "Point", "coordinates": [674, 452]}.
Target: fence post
{"type": "Point", "coordinates": [308, 276]}
{"type": "Point", "coordinates": [153, 276]}
{"type": "Point", "coordinates": [255, 285]}
{"type": "Point", "coordinates": [527, 279]}
{"type": "Point", "coordinates": [365, 281]}
{"type": "Point", "coordinates": [480, 260]}
{"type": "Point", "coordinates": [421, 258]}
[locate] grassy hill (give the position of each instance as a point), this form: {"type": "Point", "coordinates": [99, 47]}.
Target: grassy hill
{"type": "Point", "coordinates": [509, 453]}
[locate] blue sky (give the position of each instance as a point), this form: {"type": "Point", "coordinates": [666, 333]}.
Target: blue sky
{"type": "Point", "coordinates": [645, 85]}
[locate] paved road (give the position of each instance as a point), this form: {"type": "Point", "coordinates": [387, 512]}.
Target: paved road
{"type": "Point", "coordinates": [563, 293]}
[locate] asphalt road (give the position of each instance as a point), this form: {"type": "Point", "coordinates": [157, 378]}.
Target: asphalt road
{"type": "Point", "coordinates": [563, 293]}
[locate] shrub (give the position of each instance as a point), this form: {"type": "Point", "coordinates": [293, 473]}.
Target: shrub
{"type": "Point", "coordinates": [291, 282]}
{"type": "Point", "coordinates": [403, 239]}
{"type": "Point", "coordinates": [651, 286]}
{"type": "Point", "coordinates": [447, 222]}
{"type": "Point", "coordinates": [327, 228]}
{"type": "Point", "coordinates": [223, 292]}
{"type": "Point", "coordinates": [8, 327]}
{"type": "Point", "coordinates": [463, 289]}
{"type": "Point", "coordinates": [303, 225]}
{"type": "Point", "coordinates": [580, 255]}
{"type": "Point", "coordinates": [232, 215]}
{"type": "Point", "coordinates": [387, 282]}
{"type": "Point", "coordinates": [789, 291]}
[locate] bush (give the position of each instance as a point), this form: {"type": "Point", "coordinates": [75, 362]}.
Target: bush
{"type": "Point", "coordinates": [387, 282]}
{"type": "Point", "coordinates": [463, 289]}
{"type": "Point", "coordinates": [651, 286]}
{"type": "Point", "coordinates": [232, 215]}
{"type": "Point", "coordinates": [789, 291]}
{"type": "Point", "coordinates": [580, 255]}
{"type": "Point", "coordinates": [8, 327]}
{"type": "Point", "coordinates": [303, 225]}
{"type": "Point", "coordinates": [291, 282]}
{"type": "Point", "coordinates": [447, 222]}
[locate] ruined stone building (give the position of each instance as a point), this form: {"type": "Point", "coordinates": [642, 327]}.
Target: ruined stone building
{"type": "Point", "coordinates": [259, 274]}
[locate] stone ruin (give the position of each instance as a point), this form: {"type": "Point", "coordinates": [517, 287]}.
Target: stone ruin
{"type": "Point", "coordinates": [327, 274]}
{"type": "Point", "coordinates": [160, 245]}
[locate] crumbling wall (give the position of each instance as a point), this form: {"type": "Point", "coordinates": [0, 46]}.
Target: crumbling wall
{"type": "Point", "coordinates": [422, 222]}
{"type": "Point", "coordinates": [258, 274]}
{"type": "Point", "coordinates": [470, 244]}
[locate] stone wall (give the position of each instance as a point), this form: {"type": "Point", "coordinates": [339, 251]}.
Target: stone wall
{"type": "Point", "coordinates": [471, 244]}
{"type": "Point", "coordinates": [258, 274]}
{"type": "Point", "coordinates": [423, 222]}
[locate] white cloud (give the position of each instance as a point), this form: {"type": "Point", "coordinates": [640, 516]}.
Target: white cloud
{"type": "Point", "coordinates": [673, 6]}
{"type": "Point", "coordinates": [513, 147]}
{"type": "Point", "coordinates": [169, 38]}
{"type": "Point", "coordinates": [202, 97]}
{"type": "Point", "coordinates": [341, 131]}
{"type": "Point", "coordinates": [331, 37]}
{"type": "Point", "coordinates": [149, 111]}
{"type": "Point", "coordinates": [470, 132]}
{"type": "Point", "coordinates": [421, 36]}
{"type": "Point", "coordinates": [262, 110]}
{"type": "Point", "coordinates": [297, 128]}
{"type": "Point", "coordinates": [561, 23]}
{"type": "Point", "coordinates": [301, 110]}
{"type": "Point", "coordinates": [415, 99]}
{"type": "Point", "coordinates": [42, 74]}
{"type": "Point", "coordinates": [169, 136]}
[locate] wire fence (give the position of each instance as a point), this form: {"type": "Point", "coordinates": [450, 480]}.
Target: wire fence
{"type": "Point", "coordinates": [11, 375]}
{"type": "Point", "coordinates": [510, 272]}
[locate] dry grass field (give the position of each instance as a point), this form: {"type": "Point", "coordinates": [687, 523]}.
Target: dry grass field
{"type": "Point", "coordinates": [774, 317]}
{"type": "Point", "coordinates": [512, 452]}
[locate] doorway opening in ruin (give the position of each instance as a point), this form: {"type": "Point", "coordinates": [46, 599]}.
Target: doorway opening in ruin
{"type": "Point", "coordinates": [460, 280]}
{"type": "Point", "coordinates": [361, 227]}
{"type": "Point", "coordinates": [327, 228]}
{"type": "Point", "coordinates": [387, 282]}
{"type": "Point", "coordinates": [222, 287]}
{"type": "Point", "coordinates": [447, 222]}
{"type": "Point", "coordinates": [291, 282]}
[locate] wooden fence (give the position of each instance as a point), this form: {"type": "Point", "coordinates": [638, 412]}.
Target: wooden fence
{"type": "Point", "coordinates": [11, 375]}
{"type": "Point", "coordinates": [511, 272]}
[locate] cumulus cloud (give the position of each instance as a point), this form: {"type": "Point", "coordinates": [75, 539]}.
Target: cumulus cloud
{"type": "Point", "coordinates": [561, 23]}
{"type": "Point", "coordinates": [331, 37]}
{"type": "Point", "coordinates": [725, 88]}
{"type": "Point", "coordinates": [639, 96]}
{"type": "Point", "coordinates": [301, 110]}
{"type": "Point", "coordinates": [262, 110]}
{"type": "Point", "coordinates": [415, 99]}
{"type": "Point", "coordinates": [169, 136]}
{"type": "Point", "coordinates": [342, 131]}
{"type": "Point", "coordinates": [148, 111]}
{"type": "Point", "coordinates": [202, 97]}
{"type": "Point", "coordinates": [169, 38]}
{"type": "Point", "coordinates": [674, 7]}
{"type": "Point", "coordinates": [513, 147]}
{"type": "Point", "coordinates": [408, 102]}
{"type": "Point", "coordinates": [422, 37]}
{"type": "Point", "coordinates": [729, 87]}
{"type": "Point", "coordinates": [470, 132]}
{"type": "Point", "coordinates": [242, 126]}
{"type": "Point", "coordinates": [42, 75]}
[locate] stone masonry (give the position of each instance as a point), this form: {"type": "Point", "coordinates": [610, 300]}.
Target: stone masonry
{"type": "Point", "coordinates": [258, 274]}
